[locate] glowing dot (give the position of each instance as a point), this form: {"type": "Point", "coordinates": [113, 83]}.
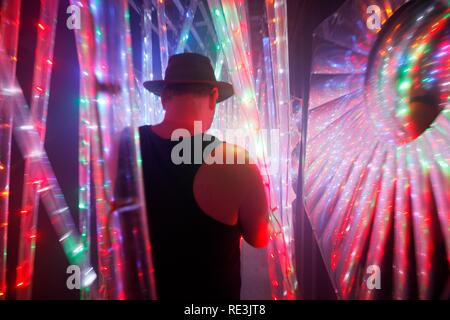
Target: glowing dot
{"type": "Point", "coordinates": [405, 85]}
{"type": "Point", "coordinates": [65, 236]}
{"type": "Point", "coordinates": [403, 111]}
{"type": "Point", "coordinates": [78, 249]}
{"type": "Point", "coordinates": [41, 26]}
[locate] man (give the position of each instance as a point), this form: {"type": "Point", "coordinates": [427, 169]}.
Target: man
{"type": "Point", "coordinates": [198, 212]}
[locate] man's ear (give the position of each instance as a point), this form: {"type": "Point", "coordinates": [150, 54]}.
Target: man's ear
{"type": "Point", "coordinates": [164, 99]}
{"type": "Point", "coordinates": [213, 97]}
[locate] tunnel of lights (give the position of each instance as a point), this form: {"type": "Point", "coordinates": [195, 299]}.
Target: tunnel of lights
{"type": "Point", "coordinates": [372, 143]}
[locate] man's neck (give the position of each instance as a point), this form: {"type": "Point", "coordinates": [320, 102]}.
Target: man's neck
{"type": "Point", "coordinates": [167, 127]}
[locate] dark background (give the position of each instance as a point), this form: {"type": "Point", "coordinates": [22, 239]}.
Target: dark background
{"type": "Point", "coordinates": [61, 145]}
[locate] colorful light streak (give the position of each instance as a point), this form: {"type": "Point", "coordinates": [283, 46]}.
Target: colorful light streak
{"type": "Point", "coordinates": [39, 104]}
{"type": "Point", "coordinates": [162, 34]}
{"type": "Point", "coordinates": [86, 55]}
{"type": "Point", "coordinates": [9, 33]}
{"type": "Point", "coordinates": [112, 95]}
{"type": "Point", "coordinates": [151, 110]}
{"type": "Point", "coordinates": [187, 24]}
{"type": "Point", "coordinates": [288, 136]}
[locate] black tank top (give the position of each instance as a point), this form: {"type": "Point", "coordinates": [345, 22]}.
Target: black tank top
{"type": "Point", "coordinates": [195, 256]}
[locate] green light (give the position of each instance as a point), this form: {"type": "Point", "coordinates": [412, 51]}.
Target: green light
{"type": "Point", "coordinates": [403, 111]}
{"type": "Point", "coordinates": [83, 161]}
{"type": "Point", "coordinates": [420, 49]}
{"type": "Point", "coordinates": [405, 85]}
{"type": "Point", "coordinates": [424, 164]}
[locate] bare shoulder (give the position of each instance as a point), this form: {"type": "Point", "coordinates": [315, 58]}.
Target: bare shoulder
{"type": "Point", "coordinates": [229, 188]}
{"type": "Point", "coordinates": [230, 154]}
{"type": "Point", "coordinates": [220, 185]}
{"type": "Point", "coordinates": [230, 166]}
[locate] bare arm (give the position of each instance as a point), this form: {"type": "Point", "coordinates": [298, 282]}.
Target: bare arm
{"type": "Point", "coordinates": [253, 212]}
{"type": "Point", "coordinates": [234, 193]}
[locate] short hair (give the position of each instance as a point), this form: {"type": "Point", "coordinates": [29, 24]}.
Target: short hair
{"type": "Point", "coordinates": [177, 89]}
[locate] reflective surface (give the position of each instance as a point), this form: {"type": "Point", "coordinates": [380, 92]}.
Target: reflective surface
{"type": "Point", "coordinates": [377, 177]}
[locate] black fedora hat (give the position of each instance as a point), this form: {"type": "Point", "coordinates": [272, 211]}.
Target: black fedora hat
{"type": "Point", "coordinates": [188, 68]}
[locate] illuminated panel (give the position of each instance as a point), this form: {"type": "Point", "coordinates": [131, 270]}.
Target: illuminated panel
{"type": "Point", "coordinates": [377, 182]}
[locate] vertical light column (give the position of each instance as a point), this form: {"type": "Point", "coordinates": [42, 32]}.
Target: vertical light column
{"type": "Point", "coordinates": [162, 33]}
{"type": "Point", "coordinates": [85, 42]}
{"type": "Point", "coordinates": [218, 67]}
{"type": "Point", "coordinates": [122, 229]}
{"type": "Point", "coordinates": [150, 110]}
{"type": "Point", "coordinates": [187, 24]}
{"type": "Point", "coordinates": [101, 135]}
{"type": "Point", "coordinates": [137, 273]}
{"type": "Point", "coordinates": [277, 25]}
{"type": "Point", "coordinates": [39, 104]}
{"type": "Point", "coordinates": [272, 115]}
{"type": "Point", "coordinates": [244, 23]}
{"type": "Point", "coordinates": [232, 41]}
{"type": "Point", "coordinates": [9, 33]}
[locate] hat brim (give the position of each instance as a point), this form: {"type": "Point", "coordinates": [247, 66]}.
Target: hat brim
{"type": "Point", "coordinates": [157, 86]}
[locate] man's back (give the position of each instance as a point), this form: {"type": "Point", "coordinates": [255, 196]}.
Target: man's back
{"type": "Point", "coordinates": [195, 255]}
